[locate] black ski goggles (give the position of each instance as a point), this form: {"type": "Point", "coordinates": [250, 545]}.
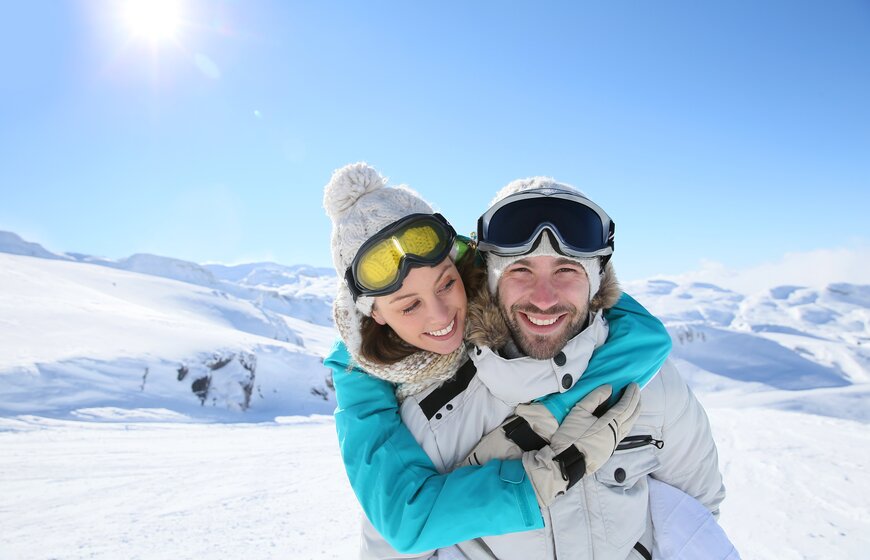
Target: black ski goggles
{"type": "Point", "coordinates": [381, 264]}
{"type": "Point", "coordinates": [512, 226]}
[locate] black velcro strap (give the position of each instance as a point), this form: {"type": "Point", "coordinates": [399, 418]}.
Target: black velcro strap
{"type": "Point", "coordinates": [434, 401]}
{"type": "Point", "coordinates": [573, 465]}
{"type": "Point", "coordinates": [520, 432]}
{"type": "Point", "coordinates": [641, 549]}
{"type": "Point", "coordinates": [601, 409]}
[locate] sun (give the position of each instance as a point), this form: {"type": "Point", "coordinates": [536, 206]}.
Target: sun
{"type": "Point", "coordinates": [155, 20]}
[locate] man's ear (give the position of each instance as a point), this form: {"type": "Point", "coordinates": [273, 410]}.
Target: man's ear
{"type": "Point", "coordinates": [376, 315]}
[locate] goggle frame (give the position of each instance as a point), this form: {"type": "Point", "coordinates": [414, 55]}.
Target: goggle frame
{"type": "Point", "coordinates": [486, 245]}
{"type": "Point", "coordinates": [408, 261]}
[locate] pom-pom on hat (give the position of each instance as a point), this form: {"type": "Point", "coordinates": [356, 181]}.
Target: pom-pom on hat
{"type": "Point", "coordinates": [496, 265]}
{"type": "Point", "coordinates": [360, 204]}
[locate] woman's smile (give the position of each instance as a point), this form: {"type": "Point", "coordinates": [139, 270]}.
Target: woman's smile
{"type": "Point", "coordinates": [445, 332]}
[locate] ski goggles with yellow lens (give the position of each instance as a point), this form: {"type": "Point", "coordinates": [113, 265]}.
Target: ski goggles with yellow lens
{"type": "Point", "coordinates": [512, 226]}
{"type": "Point", "coordinates": [381, 264]}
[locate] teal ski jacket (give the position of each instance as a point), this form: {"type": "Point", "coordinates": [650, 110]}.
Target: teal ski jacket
{"type": "Point", "coordinates": [417, 509]}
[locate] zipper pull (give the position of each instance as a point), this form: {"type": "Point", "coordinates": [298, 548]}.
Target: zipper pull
{"type": "Point", "coordinates": [632, 442]}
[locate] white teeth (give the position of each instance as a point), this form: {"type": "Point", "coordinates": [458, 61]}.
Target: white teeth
{"type": "Point", "coordinates": [446, 330]}
{"type": "Point", "coordinates": [541, 322]}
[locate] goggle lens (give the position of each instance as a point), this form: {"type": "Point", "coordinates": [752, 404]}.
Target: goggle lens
{"type": "Point", "coordinates": [577, 224]}
{"type": "Point", "coordinates": [379, 266]}
{"type": "Point", "coordinates": [383, 261]}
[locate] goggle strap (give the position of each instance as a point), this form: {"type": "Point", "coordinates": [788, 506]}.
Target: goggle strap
{"type": "Point", "coordinates": [351, 284]}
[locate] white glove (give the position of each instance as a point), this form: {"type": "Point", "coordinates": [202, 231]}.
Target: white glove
{"type": "Point", "coordinates": [582, 443]}
{"type": "Point", "coordinates": [536, 425]}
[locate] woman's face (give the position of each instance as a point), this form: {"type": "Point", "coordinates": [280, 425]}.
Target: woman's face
{"type": "Point", "coordinates": [429, 310]}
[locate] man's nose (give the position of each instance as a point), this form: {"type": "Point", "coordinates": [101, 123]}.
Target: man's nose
{"type": "Point", "coordinates": [543, 294]}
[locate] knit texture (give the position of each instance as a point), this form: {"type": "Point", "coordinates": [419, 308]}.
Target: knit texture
{"type": "Point", "coordinates": [360, 204]}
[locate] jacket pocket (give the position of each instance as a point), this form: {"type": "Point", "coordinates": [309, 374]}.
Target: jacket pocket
{"type": "Point", "coordinates": [623, 493]}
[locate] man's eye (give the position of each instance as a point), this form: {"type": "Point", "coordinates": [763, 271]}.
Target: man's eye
{"type": "Point", "coordinates": [411, 308]}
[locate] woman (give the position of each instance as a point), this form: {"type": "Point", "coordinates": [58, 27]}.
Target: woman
{"type": "Point", "coordinates": [412, 503]}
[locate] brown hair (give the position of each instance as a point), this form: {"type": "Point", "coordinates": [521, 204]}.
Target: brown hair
{"type": "Point", "coordinates": [381, 344]}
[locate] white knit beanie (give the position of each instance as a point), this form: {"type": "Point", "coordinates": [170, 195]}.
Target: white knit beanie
{"type": "Point", "coordinates": [360, 204]}
{"type": "Point", "coordinates": [496, 264]}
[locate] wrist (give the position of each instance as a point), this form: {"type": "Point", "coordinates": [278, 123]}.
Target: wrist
{"type": "Point", "coordinates": [572, 464]}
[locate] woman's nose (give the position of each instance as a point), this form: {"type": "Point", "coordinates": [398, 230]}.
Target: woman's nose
{"type": "Point", "coordinates": [439, 310]}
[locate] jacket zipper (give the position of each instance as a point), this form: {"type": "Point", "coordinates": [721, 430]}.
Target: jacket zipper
{"type": "Point", "coordinates": [631, 442]}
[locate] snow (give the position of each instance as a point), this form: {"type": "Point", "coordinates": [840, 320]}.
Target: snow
{"type": "Point", "coordinates": [76, 490]}
{"type": "Point", "coordinates": [797, 483]}
{"type": "Point", "coordinates": [797, 488]}
{"type": "Point", "coordinates": [82, 335]}
{"type": "Point", "coordinates": [154, 408]}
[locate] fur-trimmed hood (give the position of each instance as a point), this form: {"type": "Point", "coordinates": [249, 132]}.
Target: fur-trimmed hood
{"type": "Point", "coordinates": [485, 325]}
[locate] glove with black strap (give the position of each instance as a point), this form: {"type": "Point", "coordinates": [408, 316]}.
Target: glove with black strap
{"type": "Point", "coordinates": [582, 443]}
{"type": "Point", "coordinates": [556, 457]}
{"type": "Point", "coordinates": [529, 429]}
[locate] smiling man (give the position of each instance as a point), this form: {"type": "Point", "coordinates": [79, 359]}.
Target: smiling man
{"type": "Point", "coordinates": [544, 300]}
{"type": "Point", "coordinates": [543, 278]}
{"type": "Point", "coordinates": [547, 250]}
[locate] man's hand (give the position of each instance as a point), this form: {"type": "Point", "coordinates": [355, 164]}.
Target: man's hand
{"type": "Point", "coordinates": [582, 443]}
{"type": "Point", "coordinates": [531, 426]}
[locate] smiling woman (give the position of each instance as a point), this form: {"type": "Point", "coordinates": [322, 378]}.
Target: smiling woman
{"type": "Point", "coordinates": [154, 20]}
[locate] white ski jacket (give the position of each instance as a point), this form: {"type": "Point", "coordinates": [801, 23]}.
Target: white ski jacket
{"type": "Point", "coordinates": [605, 515]}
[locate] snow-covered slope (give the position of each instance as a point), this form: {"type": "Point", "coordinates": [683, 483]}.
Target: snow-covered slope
{"type": "Point", "coordinates": [85, 331]}
{"type": "Point", "coordinates": [13, 244]}
{"type": "Point", "coordinates": [78, 335]}
{"type": "Point", "coordinates": [108, 370]}
{"type": "Point", "coordinates": [168, 489]}
{"type": "Point", "coordinates": [790, 347]}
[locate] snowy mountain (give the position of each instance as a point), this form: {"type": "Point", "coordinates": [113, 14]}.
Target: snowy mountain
{"type": "Point", "coordinates": [790, 347]}
{"type": "Point", "coordinates": [14, 245]}
{"type": "Point", "coordinates": [152, 396]}
{"type": "Point", "coordinates": [81, 333]}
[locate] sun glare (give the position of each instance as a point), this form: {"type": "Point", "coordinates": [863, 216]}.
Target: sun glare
{"type": "Point", "coordinates": [154, 20]}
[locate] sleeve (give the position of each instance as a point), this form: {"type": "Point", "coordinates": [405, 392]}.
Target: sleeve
{"type": "Point", "coordinates": [375, 547]}
{"type": "Point", "coordinates": [689, 458]}
{"type": "Point", "coordinates": [409, 503]}
{"type": "Point", "coordinates": [637, 346]}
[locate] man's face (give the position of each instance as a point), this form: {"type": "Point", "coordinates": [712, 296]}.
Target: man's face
{"type": "Point", "coordinates": [545, 301]}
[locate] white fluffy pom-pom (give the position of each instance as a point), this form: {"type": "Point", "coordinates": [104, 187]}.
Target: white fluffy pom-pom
{"type": "Point", "coordinates": [347, 185]}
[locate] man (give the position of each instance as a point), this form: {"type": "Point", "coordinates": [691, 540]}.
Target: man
{"type": "Point", "coordinates": [547, 249]}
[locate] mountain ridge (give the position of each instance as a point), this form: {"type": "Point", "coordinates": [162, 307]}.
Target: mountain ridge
{"type": "Point", "coordinates": [145, 318]}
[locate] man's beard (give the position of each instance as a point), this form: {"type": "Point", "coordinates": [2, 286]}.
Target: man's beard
{"type": "Point", "coordinates": [543, 347]}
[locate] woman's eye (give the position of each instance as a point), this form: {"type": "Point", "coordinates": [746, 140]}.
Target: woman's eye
{"type": "Point", "coordinates": [411, 308]}
{"type": "Point", "coordinates": [449, 285]}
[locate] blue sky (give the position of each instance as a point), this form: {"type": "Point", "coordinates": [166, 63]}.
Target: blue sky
{"type": "Point", "coordinates": [732, 131]}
